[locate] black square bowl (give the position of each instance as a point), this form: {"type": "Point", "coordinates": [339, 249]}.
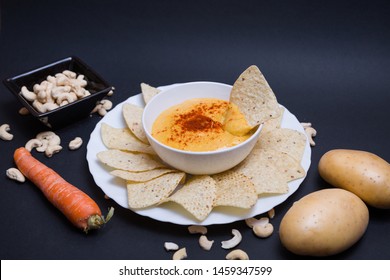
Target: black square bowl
{"type": "Point", "coordinates": [71, 112]}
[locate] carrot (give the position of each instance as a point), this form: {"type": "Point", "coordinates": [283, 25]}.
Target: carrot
{"type": "Point", "coordinates": [80, 209]}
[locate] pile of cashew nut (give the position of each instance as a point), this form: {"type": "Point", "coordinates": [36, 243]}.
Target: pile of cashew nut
{"type": "Point", "coordinates": [45, 142]}
{"type": "Point", "coordinates": [58, 90]}
{"type": "Point", "coordinates": [261, 228]}
{"type": "Point", "coordinates": [50, 143]}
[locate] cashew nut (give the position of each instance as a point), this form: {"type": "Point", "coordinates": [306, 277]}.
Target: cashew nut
{"type": "Point", "coordinates": [75, 143]}
{"type": "Point", "coordinates": [69, 97]}
{"type": "Point", "coordinates": [24, 111]}
{"type": "Point", "coordinates": [251, 222]}
{"type": "Point", "coordinates": [310, 132]}
{"type": "Point", "coordinates": [69, 74]}
{"type": "Point", "coordinates": [45, 135]}
{"type": "Point", "coordinates": [233, 242]}
{"type": "Point", "coordinates": [263, 231]}
{"type": "Point", "coordinates": [237, 254]}
{"type": "Point", "coordinates": [4, 134]}
{"type": "Point", "coordinates": [106, 104]}
{"type": "Point", "coordinates": [33, 143]}
{"type": "Point", "coordinates": [180, 254]}
{"type": "Point", "coordinates": [102, 112]}
{"type": "Point", "coordinates": [28, 95]}
{"type": "Point", "coordinates": [170, 246]}
{"type": "Point", "coordinates": [15, 174]}
{"type": "Point", "coordinates": [51, 150]}
{"type": "Point", "coordinates": [45, 144]}
{"type": "Point", "coordinates": [204, 243]}
{"type": "Point", "coordinates": [271, 213]}
{"type": "Point", "coordinates": [197, 229]}
{"type": "Point", "coordinates": [44, 107]}
{"type": "Point", "coordinates": [111, 92]}
{"type": "Point", "coordinates": [54, 140]}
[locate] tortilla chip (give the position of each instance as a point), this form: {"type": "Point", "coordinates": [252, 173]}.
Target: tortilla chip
{"type": "Point", "coordinates": [196, 196]}
{"type": "Point", "coordinates": [140, 176]}
{"type": "Point", "coordinates": [133, 118]}
{"type": "Point", "coordinates": [254, 97]}
{"type": "Point", "coordinates": [128, 161]}
{"type": "Point", "coordinates": [234, 189]}
{"type": "Point", "coordinates": [274, 123]}
{"type": "Point", "coordinates": [123, 139]}
{"type": "Point", "coordinates": [285, 140]}
{"type": "Point", "coordinates": [148, 92]}
{"type": "Point", "coordinates": [153, 192]}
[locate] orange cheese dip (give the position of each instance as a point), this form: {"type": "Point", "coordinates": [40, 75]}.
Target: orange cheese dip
{"type": "Point", "coordinates": [198, 125]}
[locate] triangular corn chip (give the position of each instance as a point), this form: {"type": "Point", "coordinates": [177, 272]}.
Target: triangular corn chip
{"type": "Point", "coordinates": [234, 189]}
{"type": "Point", "coordinates": [254, 97]}
{"type": "Point", "coordinates": [128, 161]}
{"type": "Point", "coordinates": [150, 193]}
{"type": "Point", "coordinates": [133, 118]}
{"type": "Point", "coordinates": [196, 196]}
{"type": "Point", "coordinates": [123, 139]}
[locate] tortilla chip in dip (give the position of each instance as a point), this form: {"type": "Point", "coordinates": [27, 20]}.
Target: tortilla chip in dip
{"type": "Point", "coordinates": [128, 161]}
{"type": "Point", "coordinates": [150, 193]}
{"type": "Point", "coordinates": [234, 189]}
{"type": "Point", "coordinates": [254, 97]}
{"type": "Point", "coordinates": [148, 92]}
{"type": "Point", "coordinates": [123, 139]}
{"type": "Point", "coordinates": [196, 196]}
{"type": "Point", "coordinates": [133, 118]}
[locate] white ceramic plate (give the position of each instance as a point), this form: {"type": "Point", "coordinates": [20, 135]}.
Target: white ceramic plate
{"type": "Point", "coordinates": [115, 188]}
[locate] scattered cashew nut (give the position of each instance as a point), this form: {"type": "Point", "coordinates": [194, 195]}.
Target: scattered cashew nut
{"type": "Point", "coordinates": [24, 111]}
{"type": "Point", "coordinates": [47, 142]}
{"type": "Point", "coordinates": [102, 107]}
{"type": "Point", "coordinates": [75, 143]}
{"type": "Point", "coordinates": [15, 174]}
{"type": "Point", "coordinates": [233, 242]}
{"type": "Point", "coordinates": [52, 149]}
{"type": "Point", "coordinates": [197, 229]}
{"type": "Point", "coordinates": [170, 246]}
{"type": "Point", "coordinates": [33, 143]}
{"type": "Point", "coordinates": [237, 254]}
{"type": "Point", "coordinates": [204, 243]}
{"type": "Point", "coordinates": [263, 231]}
{"type": "Point", "coordinates": [271, 213]}
{"type": "Point", "coordinates": [251, 222]}
{"type": "Point", "coordinates": [310, 132]}
{"type": "Point", "coordinates": [4, 134]}
{"type": "Point", "coordinates": [180, 254]}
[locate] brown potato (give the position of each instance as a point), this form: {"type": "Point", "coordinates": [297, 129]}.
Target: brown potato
{"type": "Point", "coordinates": [324, 223]}
{"type": "Point", "coordinates": [363, 173]}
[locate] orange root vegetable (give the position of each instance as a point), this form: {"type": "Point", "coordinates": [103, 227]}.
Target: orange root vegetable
{"type": "Point", "coordinates": [76, 205]}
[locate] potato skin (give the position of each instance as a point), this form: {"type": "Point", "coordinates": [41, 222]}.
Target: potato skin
{"type": "Point", "coordinates": [324, 223]}
{"type": "Point", "coordinates": [363, 173]}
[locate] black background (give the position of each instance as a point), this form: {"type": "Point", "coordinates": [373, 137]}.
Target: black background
{"type": "Point", "coordinates": [327, 62]}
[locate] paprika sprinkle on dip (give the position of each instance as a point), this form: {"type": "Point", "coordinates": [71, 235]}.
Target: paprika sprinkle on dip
{"type": "Point", "coordinates": [198, 125]}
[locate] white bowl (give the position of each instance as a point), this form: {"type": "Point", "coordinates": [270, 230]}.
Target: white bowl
{"type": "Point", "coordinates": [209, 162]}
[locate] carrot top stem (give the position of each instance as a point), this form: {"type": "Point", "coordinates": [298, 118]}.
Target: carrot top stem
{"type": "Point", "coordinates": [96, 221]}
